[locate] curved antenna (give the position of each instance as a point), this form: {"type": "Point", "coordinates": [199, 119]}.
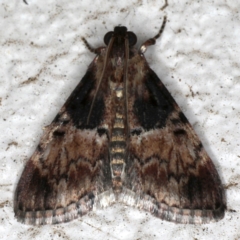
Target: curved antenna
{"type": "Point", "coordinates": [152, 41]}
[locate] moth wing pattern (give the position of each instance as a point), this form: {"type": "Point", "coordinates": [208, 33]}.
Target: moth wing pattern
{"type": "Point", "coordinates": [70, 166]}
{"type": "Point", "coordinates": [170, 173]}
{"type": "Point", "coordinates": [120, 137]}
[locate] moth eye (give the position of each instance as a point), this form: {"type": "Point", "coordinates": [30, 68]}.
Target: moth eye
{"type": "Point", "coordinates": [107, 37]}
{"type": "Point", "coordinates": [132, 38]}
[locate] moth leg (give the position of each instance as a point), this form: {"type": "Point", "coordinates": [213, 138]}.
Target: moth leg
{"type": "Point", "coordinates": [90, 48]}
{"type": "Point", "coordinates": [152, 41]}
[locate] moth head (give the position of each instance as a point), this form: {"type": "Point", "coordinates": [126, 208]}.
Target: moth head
{"type": "Point", "coordinates": [120, 33]}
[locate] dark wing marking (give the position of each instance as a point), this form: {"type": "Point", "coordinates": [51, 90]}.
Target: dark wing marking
{"type": "Point", "coordinates": [168, 170]}
{"type": "Point", "coordinates": [70, 167]}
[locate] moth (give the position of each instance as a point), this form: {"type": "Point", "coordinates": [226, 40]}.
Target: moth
{"type": "Point", "coordinates": [120, 137]}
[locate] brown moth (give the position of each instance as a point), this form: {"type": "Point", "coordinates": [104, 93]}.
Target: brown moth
{"type": "Point", "coordinates": [120, 137]}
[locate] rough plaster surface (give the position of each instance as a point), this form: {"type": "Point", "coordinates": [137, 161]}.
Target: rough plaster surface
{"type": "Point", "coordinates": [43, 59]}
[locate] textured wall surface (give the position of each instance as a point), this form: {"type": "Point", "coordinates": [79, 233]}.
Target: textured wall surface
{"type": "Point", "coordinates": [43, 59]}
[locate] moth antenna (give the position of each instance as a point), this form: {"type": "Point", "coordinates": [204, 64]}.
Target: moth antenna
{"type": "Point", "coordinates": [90, 48]}
{"type": "Point", "coordinates": [165, 5]}
{"type": "Point", "coordinates": [152, 41]}
{"type": "Point", "coordinates": [109, 47]}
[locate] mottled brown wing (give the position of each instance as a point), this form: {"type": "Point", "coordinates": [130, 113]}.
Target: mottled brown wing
{"type": "Point", "coordinates": [70, 167]}
{"type": "Point", "coordinates": [168, 170]}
